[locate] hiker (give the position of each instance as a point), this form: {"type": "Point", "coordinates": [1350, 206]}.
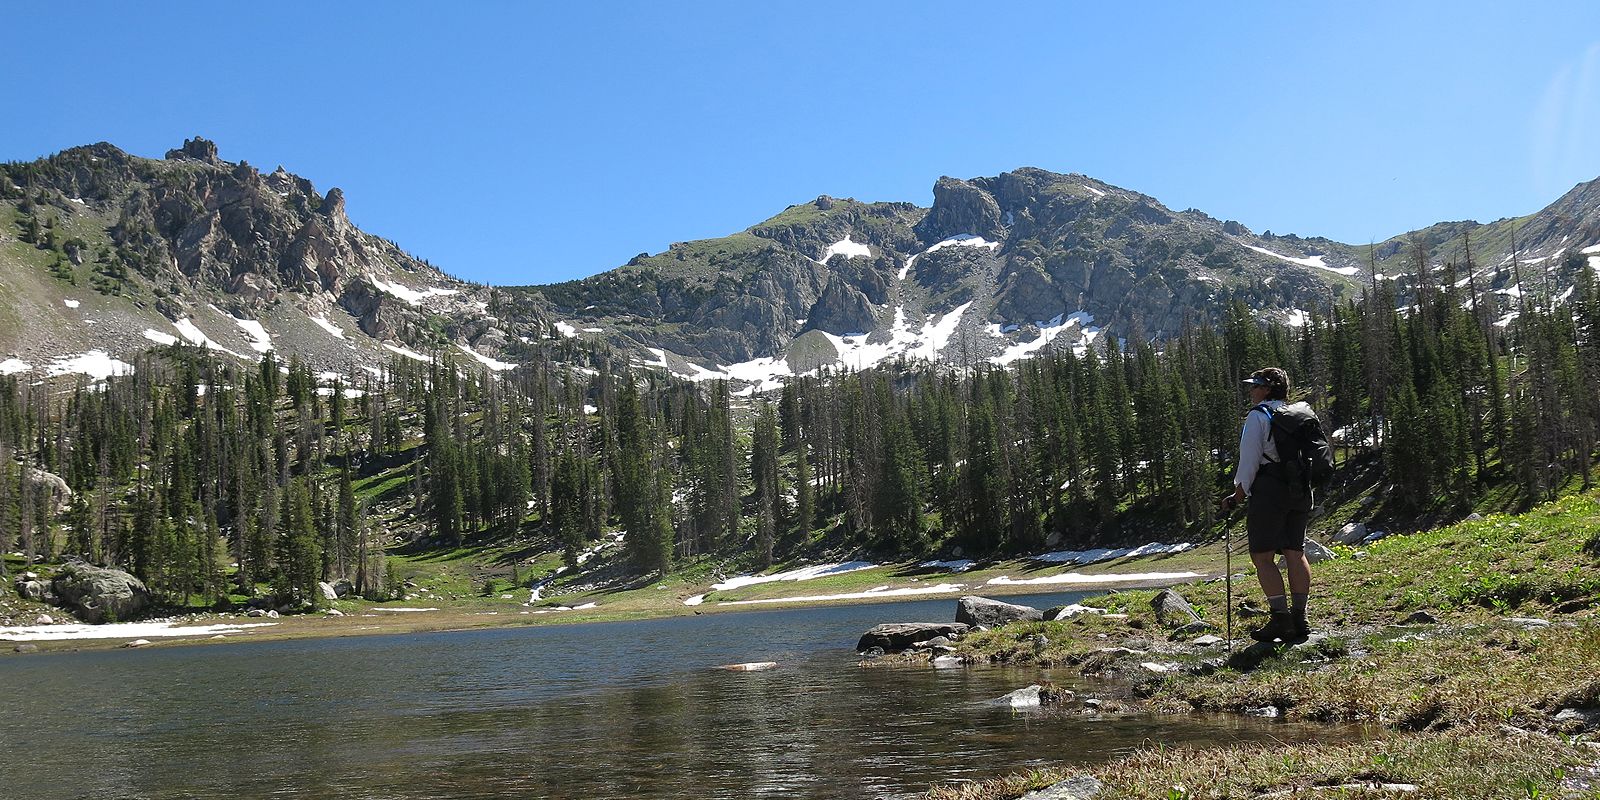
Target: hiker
{"type": "Point", "coordinates": [1280, 503]}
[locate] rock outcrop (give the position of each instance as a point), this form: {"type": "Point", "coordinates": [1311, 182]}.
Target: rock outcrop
{"type": "Point", "coordinates": [100, 594]}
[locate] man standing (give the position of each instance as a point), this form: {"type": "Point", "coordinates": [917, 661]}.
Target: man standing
{"type": "Point", "coordinates": [1279, 508]}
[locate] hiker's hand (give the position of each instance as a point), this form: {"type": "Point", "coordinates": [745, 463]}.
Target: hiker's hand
{"type": "Point", "coordinates": [1227, 503]}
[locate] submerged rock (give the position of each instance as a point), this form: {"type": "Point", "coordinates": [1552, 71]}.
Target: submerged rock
{"type": "Point", "coordinates": [896, 636]}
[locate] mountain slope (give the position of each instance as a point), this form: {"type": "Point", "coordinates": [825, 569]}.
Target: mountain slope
{"type": "Point", "coordinates": [101, 250]}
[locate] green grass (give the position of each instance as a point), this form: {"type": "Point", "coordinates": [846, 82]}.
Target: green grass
{"type": "Point", "coordinates": [1476, 764]}
{"type": "Point", "coordinates": [1466, 707]}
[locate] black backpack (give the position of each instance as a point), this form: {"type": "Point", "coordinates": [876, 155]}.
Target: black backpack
{"type": "Point", "coordinates": [1303, 451]}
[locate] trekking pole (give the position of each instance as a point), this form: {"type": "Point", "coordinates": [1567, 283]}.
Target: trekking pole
{"type": "Point", "coordinates": [1227, 578]}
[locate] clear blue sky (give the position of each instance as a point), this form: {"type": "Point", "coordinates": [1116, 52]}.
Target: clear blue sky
{"type": "Point", "coordinates": [524, 142]}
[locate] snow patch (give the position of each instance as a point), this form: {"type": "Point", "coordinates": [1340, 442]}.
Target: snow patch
{"type": "Point", "coordinates": [1097, 192]}
{"type": "Point", "coordinates": [1048, 331]}
{"type": "Point", "coordinates": [1297, 318]}
{"type": "Point", "coordinates": [119, 630]}
{"type": "Point", "coordinates": [405, 609]}
{"type": "Point", "coordinates": [881, 591]}
{"type": "Point", "coordinates": [160, 338]}
{"type": "Point", "coordinates": [848, 249]}
{"type": "Point", "coordinates": [567, 330]}
{"type": "Point", "coordinates": [1593, 248]}
{"type": "Point", "coordinates": [323, 323]}
{"type": "Point", "coordinates": [497, 366]}
{"type": "Point", "coordinates": [1081, 557]}
{"type": "Point", "coordinates": [12, 366]}
{"type": "Point", "coordinates": [261, 342]}
{"type": "Point", "coordinates": [961, 565]}
{"type": "Point", "coordinates": [408, 353]}
{"type": "Point", "coordinates": [97, 364]}
{"type": "Point", "coordinates": [193, 335]}
{"type": "Point", "coordinates": [1308, 261]}
{"type": "Point", "coordinates": [802, 574]}
{"type": "Point", "coordinates": [1079, 578]}
{"type": "Point", "coordinates": [963, 240]}
{"type": "Point", "coordinates": [411, 296]}
{"type": "Point", "coordinates": [71, 303]}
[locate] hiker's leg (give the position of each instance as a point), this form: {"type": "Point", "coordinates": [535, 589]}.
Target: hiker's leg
{"type": "Point", "coordinates": [1268, 576]}
{"type": "Point", "coordinates": [1299, 571]}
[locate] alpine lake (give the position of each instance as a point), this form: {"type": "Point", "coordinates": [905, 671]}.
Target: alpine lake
{"type": "Point", "coordinates": [599, 710]}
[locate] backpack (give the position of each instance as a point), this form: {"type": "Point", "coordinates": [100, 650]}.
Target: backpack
{"type": "Point", "coordinates": [1303, 452]}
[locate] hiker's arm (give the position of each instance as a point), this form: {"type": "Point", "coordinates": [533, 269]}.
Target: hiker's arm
{"type": "Point", "coordinates": [1252, 440]}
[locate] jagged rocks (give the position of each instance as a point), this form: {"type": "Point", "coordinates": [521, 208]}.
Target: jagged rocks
{"type": "Point", "coordinates": [842, 310]}
{"type": "Point", "coordinates": [896, 636]}
{"type": "Point", "coordinates": [961, 207]}
{"type": "Point", "coordinates": [975, 611]}
{"type": "Point", "coordinates": [100, 594]}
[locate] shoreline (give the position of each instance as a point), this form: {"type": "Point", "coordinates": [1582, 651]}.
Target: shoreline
{"type": "Point", "coordinates": [362, 618]}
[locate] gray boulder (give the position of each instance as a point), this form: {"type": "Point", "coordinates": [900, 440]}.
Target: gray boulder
{"type": "Point", "coordinates": [974, 610]}
{"type": "Point", "coordinates": [896, 636]}
{"type": "Point", "coordinates": [1173, 611]}
{"type": "Point", "coordinates": [1352, 533]}
{"type": "Point", "coordinates": [33, 590]}
{"type": "Point", "coordinates": [343, 587]}
{"type": "Point", "coordinates": [1028, 697]}
{"type": "Point", "coordinates": [327, 590]}
{"type": "Point", "coordinates": [1316, 553]}
{"type": "Point", "coordinates": [1081, 787]}
{"type": "Point", "coordinates": [97, 594]}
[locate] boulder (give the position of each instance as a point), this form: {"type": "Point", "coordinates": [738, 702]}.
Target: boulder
{"type": "Point", "coordinates": [974, 610]}
{"type": "Point", "coordinates": [1420, 618]}
{"type": "Point", "coordinates": [1352, 533]}
{"type": "Point", "coordinates": [327, 590]}
{"type": "Point", "coordinates": [97, 594]}
{"type": "Point", "coordinates": [1027, 697]}
{"type": "Point", "coordinates": [343, 587]}
{"type": "Point", "coordinates": [1068, 612]}
{"type": "Point", "coordinates": [896, 636]}
{"type": "Point", "coordinates": [1374, 536]}
{"type": "Point", "coordinates": [44, 619]}
{"type": "Point", "coordinates": [138, 643]}
{"type": "Point", "coordinates": [1316, 553]}
{"type": "Point", "coordinates": [1172, 610]}
{"type": "Point", "coordinates": [33, 590]}
{"type": "Point", "coordinates": [26, 647]}
{"type": "Point", "coordinates": [1207, 641]}
{"type": "Point", "coordinates": [1081, 787]}
{"type": "Point", "coordinates": [947, 662]}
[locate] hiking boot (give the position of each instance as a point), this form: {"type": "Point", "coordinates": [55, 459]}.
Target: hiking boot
{"type": "Point", "coordinates": [1280, 627]}
{"type": "Point", "coordinates": [1302, 629]}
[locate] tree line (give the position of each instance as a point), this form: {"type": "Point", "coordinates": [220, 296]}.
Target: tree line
{"type": "Point", "coordinates": [214, 482]}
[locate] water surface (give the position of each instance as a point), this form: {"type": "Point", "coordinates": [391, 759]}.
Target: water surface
{"type": "Point", "coordinates": [613, 710]}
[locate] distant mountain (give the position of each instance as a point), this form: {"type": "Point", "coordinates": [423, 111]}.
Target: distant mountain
{"type": "Point", "coordinates": [101, 250]}
{"type": "Point", "coordinates": [104, 251]}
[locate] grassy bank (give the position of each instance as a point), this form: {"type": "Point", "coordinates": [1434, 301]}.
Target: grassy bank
{"type": "Point", "coordinates": [1486, 700]}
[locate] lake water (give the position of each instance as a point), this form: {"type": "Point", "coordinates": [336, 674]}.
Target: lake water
{"type": "Point", "coordinates": [613, 710]}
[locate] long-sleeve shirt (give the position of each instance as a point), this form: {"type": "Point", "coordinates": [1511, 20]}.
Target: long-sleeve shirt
{"type": "Point", "coordinates": [1253, 444]}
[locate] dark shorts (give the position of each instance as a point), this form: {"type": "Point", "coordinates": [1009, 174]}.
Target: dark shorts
{"type": "Point", "coordinates": [1276, 519]}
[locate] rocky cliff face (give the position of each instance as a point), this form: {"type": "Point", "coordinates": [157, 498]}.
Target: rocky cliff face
{"type": "Point", "coordinates": [249, 260]}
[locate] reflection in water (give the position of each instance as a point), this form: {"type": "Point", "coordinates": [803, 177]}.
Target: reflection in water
{"type": "Point", "coordinates": [624, 710]}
